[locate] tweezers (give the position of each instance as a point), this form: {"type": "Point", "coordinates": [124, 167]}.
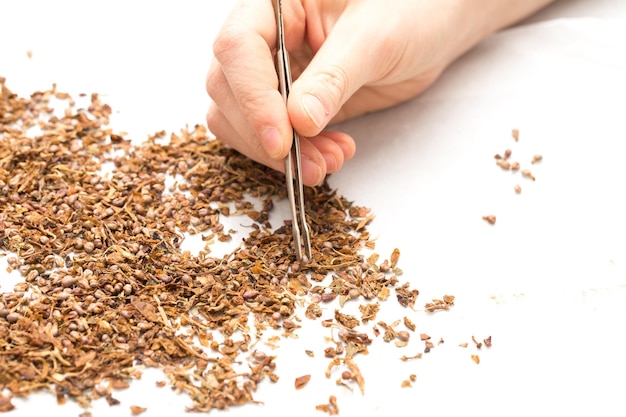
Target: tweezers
{"type": "Point", "coordinates": [293, 164]}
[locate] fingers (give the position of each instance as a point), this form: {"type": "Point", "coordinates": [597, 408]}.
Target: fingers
{"type": "Point", "coordinates": [342, 65]}
{"type": "Point", "coordinates": [320, 155]}
{"type": "Point", "coordinates": [244, 79]}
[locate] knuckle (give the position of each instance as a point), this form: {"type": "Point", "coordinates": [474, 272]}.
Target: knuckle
{"type": "Point", "coordinates": [228, 38]}
{"type": "Point", "coordinates": [213, 82]}
{"type": "Point", "coordinates": [336, 81]}
{"type": "Point", "coordinates": [213, 117]}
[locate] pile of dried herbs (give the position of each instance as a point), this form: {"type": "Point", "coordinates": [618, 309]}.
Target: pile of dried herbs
{"type": "Point", "coordinates": [107, 288]}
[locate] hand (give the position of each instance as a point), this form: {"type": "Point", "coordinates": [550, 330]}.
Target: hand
{"type": "Point", "coordinates": [348, 58]}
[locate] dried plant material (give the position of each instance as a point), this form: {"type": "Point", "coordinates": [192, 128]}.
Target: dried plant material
{"type": "Point", "coordinates": [395, 256]}
{"type": "Point", "coordinates": [408, 358]}
{"type": "Point", "coordinates": [424, 336]}
{"type": "Point", "coordinates": [517, 188]}
{"type": "Point", "coordinates": [487, 341]}
{"type": "Point", "coordinates": [301, 381]}
{"type": "Point", "coordinates": [491, 219]}
{"type": "Point", "coordinates": [107, 289]}
{"type": "Point", "coordinates": [403, 335]}
{"type": "Point", "coordinates": [341, 382]}
{"type": "Point", "coordinates": [477, 343]}
{"type": "Point", "coordinates": [515, 133]}
{"type": "Point", "coordinates": [406, 296]}
{"type": "Point", "coordinates": [29, 54]}
{"type": "Point", "coordinates": [356, 374]}
{"type": "Point", "coordinates": [5, 403]}
{"type": "Point", "coordinates": [507, 154]}
{"type": "Point", "coordinates": [476, 359]}
{"type": "Point", "coordinates": [309, 353]}
{"type": "Point", "coordinates": [526, 173]}
{"type": "Point", "coordinates": [463, 345]}
{"type": "Point", "coordinates": [408, 323]}
{"type": "Point", "coordinates": [406, 384]}
{"type": "Point", "coordinates": [504, 164]}
{"type": "Point", "coordinates": [515, 166]}
{"type": "Point", "coordinates": [346, 320]}
{"type": "Point", "coordinates": [369, 311]}
{"type": "Point", "coordinates": [536, 158]}
{"type": "Point", "coordinates": [444, 304]}
{"type": "Point", "coordinates": [331, 408]}
{"type": "Point", "coordinates": [136, 410]}
{"type": "Point", "coordinates": [335, 362]}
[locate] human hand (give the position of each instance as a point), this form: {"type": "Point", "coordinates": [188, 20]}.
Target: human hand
{"type": "Point", "coordinates": [348, 58]}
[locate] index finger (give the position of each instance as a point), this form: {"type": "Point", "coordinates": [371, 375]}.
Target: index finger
{"type": "Point", "coordinates": [244, 48]}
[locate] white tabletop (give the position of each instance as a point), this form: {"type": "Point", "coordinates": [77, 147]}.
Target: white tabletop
{"type": "Point", "coordinates": [547, 282]}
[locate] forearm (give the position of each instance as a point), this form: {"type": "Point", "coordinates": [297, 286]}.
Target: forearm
{"type": "Point", "coordinates": [476, 20]}
{"type": "Point", "coordinates": [493, 15]}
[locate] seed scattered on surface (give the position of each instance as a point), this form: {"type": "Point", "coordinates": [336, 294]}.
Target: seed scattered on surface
{"type": "Point", "coordinates": [518, 188]}
{"type": "Point", "coordinates": [136, 410]}
{"type": "Point", "coordinates": [487, 341]}
{"type": "Point", "coordinates": [301, 381]}
{"type": "Point", "coordinates": [504, 164]}
{"type": "Point", "coordinates": [526, 173]}
{"type": "Point", "coordinates": [476, 359]}
{"type": "Point", "coordinates": [536, 158]}
{"type": "Point", "coordinates": [491, 219]}
{"type": "Point", "coordinates": [515, 134]}
{"type": "Point", "coordinates": [108, 289]}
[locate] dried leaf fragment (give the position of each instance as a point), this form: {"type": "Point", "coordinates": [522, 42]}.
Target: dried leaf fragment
{"type": "Point", "coordinates": [301, 381]}
{"type": "Point", "coordinates": [136, 410]}
{"type": "Point", "coordinates": [487, 341]}
{"type": "Point", "coordinates": [476, 359]}
{"type": "Point", "coordinates": [5, 403]}
{"type": "Point", "coordinates": [409, 324]}
{"type": "Point", "coordinates": [491, 219]}
{"type": "Point", "coordinates": [356, 374]}
{"type": "Point", "coordinates": [526, 173]}
{"type": "Point", "coordinates": [395, 256]}
{"type": "Point", "coordinates": [331, 408]}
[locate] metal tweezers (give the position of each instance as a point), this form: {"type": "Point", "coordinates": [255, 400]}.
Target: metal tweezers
{"type": "Point", "coordinates": [293, 165]}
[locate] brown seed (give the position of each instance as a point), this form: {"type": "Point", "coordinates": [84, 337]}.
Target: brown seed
{"type": "Point", "coordinates": [301, 381]}
{"type": "Point", "coordinates": [403, 335]}
{"type": "Point", "coordinates": [515, 134]}
{"type": "Point", "coordinates": [505, 165]}
{"type": "Point", "coordinates": [526, 173]}
{"type": "Point", "coordinates": [518, 189]}
{"type": "Point", "coordinates": [136, 410]}
{"type": "Point", "coordinates": [491, 219]}
{"type": "Point", "coordinates": [536, 158]}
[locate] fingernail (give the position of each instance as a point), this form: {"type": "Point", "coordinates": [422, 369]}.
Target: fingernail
{"type": "Point", "coordinates": [311, 171]}
{"type": "Point", "coordinates": [272, 142]}
{"type": "Point", "coordinates": [314, 109]}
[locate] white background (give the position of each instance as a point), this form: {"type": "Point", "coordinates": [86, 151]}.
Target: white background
{"type": "Point", "coordinates": [547, 282]}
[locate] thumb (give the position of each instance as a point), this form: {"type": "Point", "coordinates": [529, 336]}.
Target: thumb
{"type": "Point", "coordinates": [346, 61]}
